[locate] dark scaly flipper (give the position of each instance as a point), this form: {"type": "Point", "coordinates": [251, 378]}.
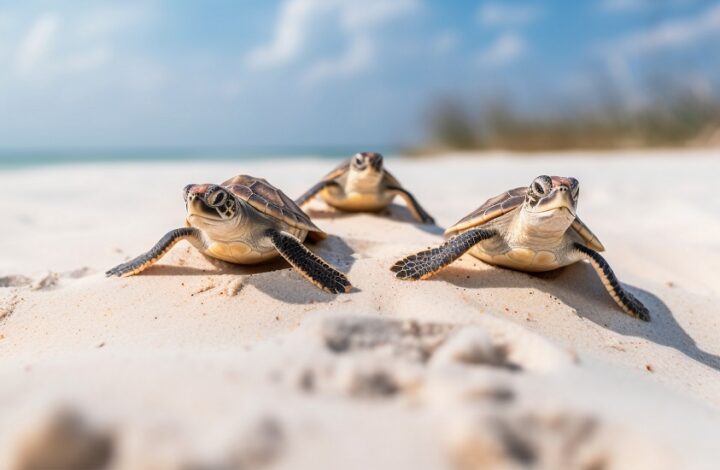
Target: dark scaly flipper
{"type": "Point", "coordinates": [146, 260]}
{"type": "Point", "coordinates": [630, 305]}
{"type": "Point", "coordinates": [312, 192]}
{"type": "Point", "coordinates": [418, 212]}
{"type": "Point", "coordinates": [312, 267]}
{"type": "Point", "coordinates": [426, 263]}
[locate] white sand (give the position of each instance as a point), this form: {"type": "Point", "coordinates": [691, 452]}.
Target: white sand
{"type": "Point", "coordinates": [224, 367]}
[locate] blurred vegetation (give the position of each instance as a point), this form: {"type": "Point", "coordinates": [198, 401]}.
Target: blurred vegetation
{"type": "Point", "coordinates": [665, 118]}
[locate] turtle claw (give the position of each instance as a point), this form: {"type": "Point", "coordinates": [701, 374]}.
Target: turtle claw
{"type": "Point", "coordinates": [124, 269]}
{"type": "Point", "coordinates": [427, 219]}
{"type": "Point", "coordinates": [634, 307]}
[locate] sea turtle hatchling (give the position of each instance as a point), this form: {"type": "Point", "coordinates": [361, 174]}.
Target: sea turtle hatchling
{"type": "Point", "coordinates": [362, 184]}
{"type": "Point", "coordinates": [528, 229]}
{"type": "Point", "coordinates": [245, 220]}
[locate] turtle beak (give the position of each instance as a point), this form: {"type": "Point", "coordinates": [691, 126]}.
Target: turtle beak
{"type": "Point", "coordinates": [196, 201]}
{"type": "Point", "coordinates": [559, 198]}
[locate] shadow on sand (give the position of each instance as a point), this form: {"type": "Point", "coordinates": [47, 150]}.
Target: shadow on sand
{"type": "Point", "coordinates": [334, 250]}
{"type": "Point", "coordinates": [579, 287]}
{"type": "Point", "coordinates": [394, 211]}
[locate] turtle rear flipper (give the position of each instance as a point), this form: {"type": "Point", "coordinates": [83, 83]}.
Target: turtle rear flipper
{"type": "Point", "coordinates": [418, 212]}
{"type": "Point", "coordinates": [146, 260]}
{"type": "Point", "coordinates": [630, 305]}
{"type": "Point", "coordinates": [426, 263]}
{"type": "Point", "coordinates": [311, 266]}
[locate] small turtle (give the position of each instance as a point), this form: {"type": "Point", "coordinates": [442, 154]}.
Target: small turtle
{"type": "Point", "coordinates": [245, 220]}
{"type": "Point", "coordinates": [362, 184]}
{"type": "Point", "coordinates": [528, 229]}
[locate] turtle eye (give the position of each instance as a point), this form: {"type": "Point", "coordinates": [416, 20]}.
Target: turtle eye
{"type": "Point", "coordinates": [574, 188]}
{"type": "Point", "coordinates": [541, 185]}
{"type": "Point", "coordinates": [358, 160]}
{"type": "Point", "coordinates": [216, 198]}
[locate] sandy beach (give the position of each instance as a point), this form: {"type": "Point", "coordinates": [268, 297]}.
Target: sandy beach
{"type": "Point", "coordinates": [194, 364]}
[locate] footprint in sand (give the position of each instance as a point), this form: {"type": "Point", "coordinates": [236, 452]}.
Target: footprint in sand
{"type": "Point", "coordinates": [547, 440]}
{"type": "Point", "coordinates": [15, 280]}
{"type": "Point", "coordinates": [78, 273]}
{"type": "Point", "coordinates": [374, 357]}
{"type": "Point", "coordinates": [46, 282]}
{"type": "Point", "coordinates": [62, 439]}
{"type": "Point", "coordinates": [229, 288]}
{"type": "Point", "coordinates": [49, 280]}
{"type": "Point", "coordinates": [261, 445]}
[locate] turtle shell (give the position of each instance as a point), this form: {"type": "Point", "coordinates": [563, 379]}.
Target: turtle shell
{"type": "Point", "coordinates": [507, 202]}
{"type": "Point", "coordinates": [270, 201]}
{"type": "Point", "coordinates": [491, 209]}
{"type": "Point", "coordinates": [339, 170]}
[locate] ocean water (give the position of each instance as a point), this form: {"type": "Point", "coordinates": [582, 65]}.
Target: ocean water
{"type": "Point", "coordinates": [22, 158]}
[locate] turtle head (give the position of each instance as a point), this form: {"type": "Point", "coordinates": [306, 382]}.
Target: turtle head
{"type": "Point", "coordinates": [367, 162]}
{"type": "Point", "coordinates": [210, 206]}
{"type": "Point", "coordinates": [366, 171]}
{"type": "Point", "coordinates": [550, 202]}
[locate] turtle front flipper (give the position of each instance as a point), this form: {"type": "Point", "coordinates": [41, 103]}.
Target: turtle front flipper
{"type": "Point", "coordinates": [418, 212]}
{"type": "Point", "coordinates": [426, 263]}
{"type": "Point", "coordinates": [630, 305]}
{"type": "Point", "coordinates": [312, 192]}
{"type": "Point", "coordinates": [146, 260]}
{"type": "Point", "coordinates": [311, 266]}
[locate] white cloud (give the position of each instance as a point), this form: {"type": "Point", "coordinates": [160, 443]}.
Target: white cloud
{"type": "Point", "coordinates": [503, 14]}
{"type": "Point", "coordinates": [55, 46]}
{"type": "Point", "coordinates": [671, 34]}
{"type": "Point", "coordinates": [356, 58]}
{"type": "Point", "coordinates": [299, 19]}
{"type": "Point", "coordinates": [37, 43]}
{"type": "Point", "coordinates": [290, 34]}
{"type": "Point", "coordinates": [506, 49]}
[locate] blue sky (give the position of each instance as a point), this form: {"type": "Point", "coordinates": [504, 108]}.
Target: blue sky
{"type": "Point", "coordinates": [324, 72]}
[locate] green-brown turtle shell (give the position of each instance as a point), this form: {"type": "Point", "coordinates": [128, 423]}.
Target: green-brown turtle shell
{"type": "Point", "coordinates": [338, 171]}
{"type": "Point", "coordinates": [507, 202]}
{"type": "Point", "coordinates": [269, 200]}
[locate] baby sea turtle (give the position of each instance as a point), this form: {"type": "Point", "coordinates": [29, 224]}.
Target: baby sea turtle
{"type": "Point", "coordinates": [528, 229]}
{"type": "Point", "coordinates": [245, 220]}
{"type": "Point", "coordinates": [362, 184]}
